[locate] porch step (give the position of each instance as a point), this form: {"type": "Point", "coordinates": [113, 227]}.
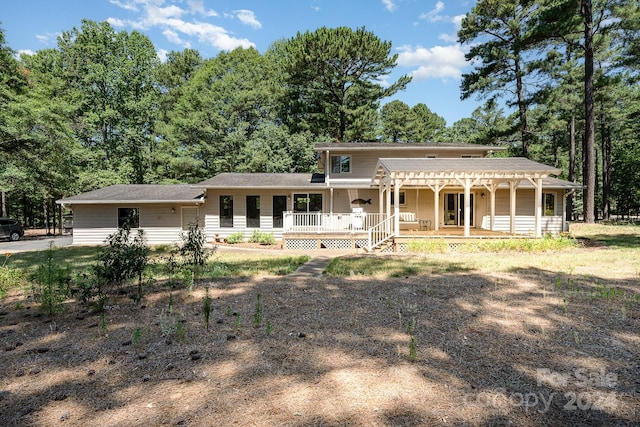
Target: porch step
{"type": "Point", "coordinates": [382, 247]}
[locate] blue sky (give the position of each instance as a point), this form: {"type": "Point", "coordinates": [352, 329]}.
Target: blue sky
{"type": "Point", "coordinates": [423, 33]}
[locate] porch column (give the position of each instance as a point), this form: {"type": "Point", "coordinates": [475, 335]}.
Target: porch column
{"type": "Point", "coordinates": [491, 188]}
{"type": "Point", "coordinates": [492, 202]}
{"type": "Point", "coordinates": [331, 201]}
{"type": "Point", "coordinates": [467, 207]}
{"type": "Point", "coordinates": [396, 206]}
{"type": "Point", "coordinates": [388, 201]}
{"type": "Point", "coordinates": [381, 199]}
{"type": "Point", "coordinates": [512, 206]}
{"type": "Point", "coordinates": [538, 204]}
{"type": "Point", "coordinates": [436, 207]}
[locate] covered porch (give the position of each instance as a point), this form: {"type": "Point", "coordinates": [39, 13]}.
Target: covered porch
{"type": "Point", "coordinates": [467, 176]}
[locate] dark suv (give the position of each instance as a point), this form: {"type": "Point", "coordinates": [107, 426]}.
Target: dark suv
{"type": "Point", "coordinates": [11, 229]}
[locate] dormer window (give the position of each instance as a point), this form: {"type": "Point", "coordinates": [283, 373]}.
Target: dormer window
{"type": "Point", "coordinates": [340, 164]}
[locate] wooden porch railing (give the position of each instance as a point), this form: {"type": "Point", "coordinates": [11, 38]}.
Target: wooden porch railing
{"type": "Point", "coordinates": [380, 233]}
{"type": "Point", "coordinates": [319, 222]}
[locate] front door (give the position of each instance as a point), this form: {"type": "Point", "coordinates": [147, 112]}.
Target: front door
{"type": "Point", "coordinates": [454, 209]}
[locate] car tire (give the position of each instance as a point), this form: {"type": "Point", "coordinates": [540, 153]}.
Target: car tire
{"type": "Point", "coordinates": [14, 236]}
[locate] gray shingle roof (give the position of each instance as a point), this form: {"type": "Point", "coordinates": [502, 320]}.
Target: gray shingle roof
{"type": "Point", "coordinates": [494, 164]}
{"type": "Point", "coordinates": [263, 180]}
{"type": "Point", "coordinates": [138, 193]}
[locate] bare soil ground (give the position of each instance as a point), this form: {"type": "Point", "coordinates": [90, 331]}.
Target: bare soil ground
{"type": "Point", "coordinates": [504, 349]}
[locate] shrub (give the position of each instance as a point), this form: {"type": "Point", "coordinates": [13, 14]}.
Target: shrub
{"type": "Point", "coordinates": [236, 238]}
{"type": "Point", "coordinates": [428, 246]}
{"type": "Point", "coordinates": [51, 284]}
{"type": "Point", "coordinates": [262, 238]}
{"type": "Point", "coordinates": [193, 246]}
{"type": "Point", "coordinates": [9, 276]}
{"type": "Point", "coordinates": [191, 255]}
{"type": "Point", "coordinates": [122, 259]}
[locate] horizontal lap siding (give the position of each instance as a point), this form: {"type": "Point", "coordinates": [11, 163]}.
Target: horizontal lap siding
{"type": "Point", "coordinates": [525, 224]}
{"type": "Point", "coordinates": [92, 224]}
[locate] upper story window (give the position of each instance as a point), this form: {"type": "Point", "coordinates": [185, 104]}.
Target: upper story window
{"type": "Point", "coordinates": [340, 164]}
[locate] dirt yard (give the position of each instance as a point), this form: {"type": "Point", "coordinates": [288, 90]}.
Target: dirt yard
{"type": "Point", "coordinates": [448, 348]}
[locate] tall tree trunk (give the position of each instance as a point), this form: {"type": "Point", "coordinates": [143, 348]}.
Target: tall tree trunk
{"type": "Point", "coordinates": [45, 206]}
{"type": "Point", "coordinates": [572, 163]}
{"type": "Point", "coordinates": [605, 142]}
{"type": "Point", "coordinates": [3, 203]}
{"type": "Point", "coordinates": [589, 128]}
{"type": "Point", "coordinates": [522, 110]}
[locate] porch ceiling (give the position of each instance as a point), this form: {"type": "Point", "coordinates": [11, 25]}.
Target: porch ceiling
{"type": "Point", "coordinates": [438, 171]}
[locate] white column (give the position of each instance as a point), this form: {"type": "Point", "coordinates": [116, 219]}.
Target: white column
{"type": "Point", "coordinates": [396, 207]}
{"type": "Point", "coordinates": [538, 212]}
{"type": "Point", "coordinates": [467, 207]}
{"type": "Point", "coordinates": [492, 202]}
{"type": "Point", "coordinates": [331, 201]}
{"type": "Point", "coordinates": [512, 206]}
{"type": "Point", "coordinates": [436, 207]}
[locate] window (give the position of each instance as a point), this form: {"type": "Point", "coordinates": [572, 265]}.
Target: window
{"type": "Point", "coordinates": [226, 211]}
{"type": "Point", "coordinates": [253, 211]}
{"type": "Point", "coordinates": [279, 206]}
{"type": "Point", "coordinates": [340, 164]}
{"type": "Point", "coordinates": [549, 200]}
{"type": "Point", "coordinates": [128, 217]}
{"type": "Point", "coordinates": [307, 202]}
{"type": "Point", "coordinates": [401, 195]}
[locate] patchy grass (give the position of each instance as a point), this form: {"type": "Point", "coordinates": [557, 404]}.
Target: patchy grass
{"type": "Point", "coordinates": [390, 266]}
{"type": "Point", "coordinates": [229, 265]}
{"type": "Point", "coordinates": [546, 244]}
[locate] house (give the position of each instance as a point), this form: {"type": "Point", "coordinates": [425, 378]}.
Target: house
{"type": "Point", "coordinates": [365, 194]}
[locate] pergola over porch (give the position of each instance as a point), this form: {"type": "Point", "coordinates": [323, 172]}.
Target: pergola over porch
{"type": "Point", "coordinates": [392, 174]}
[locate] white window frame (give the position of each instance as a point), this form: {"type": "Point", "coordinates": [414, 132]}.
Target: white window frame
{"type": "Point", "coordinates": [341, 156]}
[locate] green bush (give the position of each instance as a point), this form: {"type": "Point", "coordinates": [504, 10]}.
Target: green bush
{"type": "Point", "coordinates": [428, 246]}
{"type": "Point", "coordinates": [193, 247]}
{"type": "Point", "coordinates": [236, 238]}
{"type": "Point", "coordinates": [51, 285]}
{"type": "Point", "coordinates": [9, 276]}
{"type": "Point", "coordinates": [262, 238]}
{"type": "Point", "coordinates": [121, 260]}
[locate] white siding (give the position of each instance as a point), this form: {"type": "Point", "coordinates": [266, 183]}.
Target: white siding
{"type": "Point", "coordinates": [525, 224]}
{"type": "Point", "coordinates": [92, 224]}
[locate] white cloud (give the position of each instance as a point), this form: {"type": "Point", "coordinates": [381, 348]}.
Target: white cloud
{"type": "Point", "coordinates": [247, 17]}
{"type": "Point", "coordinates": [434, 15]}
{"type": "Point", "coordinates": [126, 5]}
{"type": "Point", "coordinates": [449, 38]}
{"type": "Point", "coordinates": [457, 21]}
{"type": "Point", "coordinates": [197, 7]}
{"type": "Point", "coordinates": [180, 26]}
{"type": "Point", "coordinates": [436, 62]}
{"type": "Point", "coordinates": [162, 55]}
{"type": "Point", "coordinates": [47, 38]}
{"type": "Point", "coordinates": [115, 22]}
{"type": "Point", "coordinates": [389, 5]}
{"type": "Point", "coordinates": [21, 52]}
{"type": "Point", "coordinates": [174, 38]}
